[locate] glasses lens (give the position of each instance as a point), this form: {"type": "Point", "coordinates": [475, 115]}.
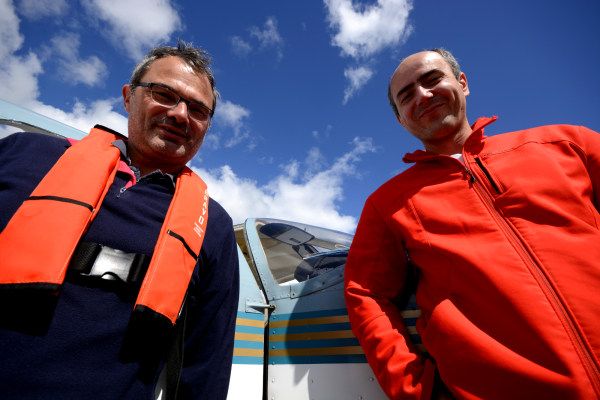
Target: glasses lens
{"type": "Point", "coordinates": [198, 112]}
{"type": "Point", "coordinates": [168, 98]}
{"type": "Point", "coordinates": [164, 96]}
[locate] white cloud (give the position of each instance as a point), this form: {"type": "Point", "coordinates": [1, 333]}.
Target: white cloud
{"type": "Point", "coordinates": [315, 161]}
{"type": "Point", "coordinates": [312, 200]}
{"type": "Point", "coordinates": [18, 78]}
{"type": "Point", "coordinates": [136, 24]}
{"type": "Point", "coordinates": [18, 74]}
{"type": "Point", "coordinates": [363, 31]}
{"type": "Point", "coordinates": [10, 38]}
{"type": "Point", "coordinates": [85, 117]}
{"type": "Point", "coordinates": [237, 138]}
{"type": "Point", "coordinates": [267, 37]}
{"type": "Point", "coordinates": [73, 69]}
{"type": "Point", "coordinates": [240, 47]}
{"type": "Point", "coordinates": [38, 9]}
{"type": "Point", "coordinates": [212, 140]}
{"type": "Point", "coordinates": [231, 115]}
{"type": "Point", "coordinates": [357, 78]}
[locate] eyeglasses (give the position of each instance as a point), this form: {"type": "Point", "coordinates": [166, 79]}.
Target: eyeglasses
{"type": "Point", "coordinates": [164, 95]}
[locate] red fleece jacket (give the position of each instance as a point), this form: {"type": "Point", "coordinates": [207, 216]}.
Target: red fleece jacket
{"type": "Point", "coordinates": [507, 247]}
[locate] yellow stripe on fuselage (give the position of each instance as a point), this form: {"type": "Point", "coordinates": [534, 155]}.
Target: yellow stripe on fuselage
{"type": "Point", "coordinates": [250, 337]}
{"type": "Point", "coordinates": [239, 352]}
{"type": "Point", "coordinates": [250, 322]}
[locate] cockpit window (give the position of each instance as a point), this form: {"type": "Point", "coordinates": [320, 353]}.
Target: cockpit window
{"type": "Point", "coordinates": [297, 252]}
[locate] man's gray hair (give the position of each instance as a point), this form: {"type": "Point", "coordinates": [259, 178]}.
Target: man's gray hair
{"type": "Point", "coordinates": [446, 55]}
{"type": "Point", "coordinates": [195, 57]}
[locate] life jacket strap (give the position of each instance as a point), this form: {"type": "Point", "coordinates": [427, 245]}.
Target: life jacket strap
{"type": "Point", "coordinates": [96, 260]}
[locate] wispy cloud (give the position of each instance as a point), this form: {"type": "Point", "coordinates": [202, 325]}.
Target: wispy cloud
{"type": "Point", "coordinates": [232, 116]}
{"type": "Point", "coordinates": [323, 134]}
{"type": "Point", "coordinates": [309, 198]}
{"type": "Point", "coordinates": [362, 31]}
{"type": "Point", "coordinates": [315, 162]}
{"type": "Point", "coordinates": [38, 9]}
{"type": "Point", "coordinates": [136, 25]}
{"type": "Point", "coordinates": [357, 78]}
{"type": "Point", "coordinates": [240, 47]}
{"type": "Point", "coordinates": [266, 37]}
{"type": "Point", "coordinates": [73, 69]}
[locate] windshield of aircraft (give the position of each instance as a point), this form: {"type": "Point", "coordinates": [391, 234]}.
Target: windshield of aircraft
{"type": "Point", "coordinates": [297, 252]}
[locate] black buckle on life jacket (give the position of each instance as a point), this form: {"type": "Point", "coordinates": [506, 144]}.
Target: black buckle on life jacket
{"type": "Point", "coordinates": [99, 261]}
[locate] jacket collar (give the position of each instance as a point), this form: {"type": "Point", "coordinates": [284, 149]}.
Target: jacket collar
{"type": "Point", "coordinates": [477, 134]}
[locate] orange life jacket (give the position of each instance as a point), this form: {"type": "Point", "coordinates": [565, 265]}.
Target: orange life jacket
{"type": "Point", "coordinates": [39, 240]}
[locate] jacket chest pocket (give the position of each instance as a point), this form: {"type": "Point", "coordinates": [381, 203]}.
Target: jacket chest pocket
{"type": "Point", "coordinates": [545, 182]}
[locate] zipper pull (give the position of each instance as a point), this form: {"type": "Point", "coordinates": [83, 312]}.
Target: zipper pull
{"type": "Point", "coordinates": [472, 178]}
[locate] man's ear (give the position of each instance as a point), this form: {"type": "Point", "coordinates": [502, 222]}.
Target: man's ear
{"type": "Point", "coordinates": [126, 91]}
{"type": "Point", "coordinates": [462, 79]}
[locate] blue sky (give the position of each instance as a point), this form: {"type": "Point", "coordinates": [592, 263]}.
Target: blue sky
{"type": "Point", "coordinates": [303, 130]}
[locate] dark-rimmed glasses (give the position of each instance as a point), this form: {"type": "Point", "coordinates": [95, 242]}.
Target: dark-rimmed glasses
{"type": "Point", "coordinates": [166, 96]}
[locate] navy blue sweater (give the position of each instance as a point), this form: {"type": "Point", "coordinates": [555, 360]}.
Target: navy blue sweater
{"type": "Point", "coordinates": [77, 348]}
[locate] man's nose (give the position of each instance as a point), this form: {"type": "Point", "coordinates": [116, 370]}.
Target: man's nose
{"type": "Point", "coordinates": [179, 111]}
{"type": "Point", "coordinates": [423, 94]}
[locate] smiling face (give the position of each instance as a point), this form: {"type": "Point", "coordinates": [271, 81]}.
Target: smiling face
{"type": "Point", "coordinates": [431, 102]}
{"type": "Point", "coordinates": [161, 137]}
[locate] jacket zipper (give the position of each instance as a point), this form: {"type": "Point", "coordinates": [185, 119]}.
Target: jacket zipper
{"type": "Point", "coordinates": [487, 175]}
{"type": "Point", "coordinates": [539, 274]}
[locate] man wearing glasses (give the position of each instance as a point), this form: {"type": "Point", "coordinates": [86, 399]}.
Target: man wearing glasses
{"type": "Point", "coordinates": [118, 274]}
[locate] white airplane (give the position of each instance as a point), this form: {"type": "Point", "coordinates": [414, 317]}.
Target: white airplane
{"type": "Point", "coordinates": [292, 338]}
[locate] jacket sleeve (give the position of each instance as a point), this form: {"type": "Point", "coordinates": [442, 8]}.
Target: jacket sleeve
{"type": "Point", "coordinates": [375, 275]}
{"type": "Point", "coordinates": [591, 146]}
{"type": "Point", "coordinates": [210, 327]}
